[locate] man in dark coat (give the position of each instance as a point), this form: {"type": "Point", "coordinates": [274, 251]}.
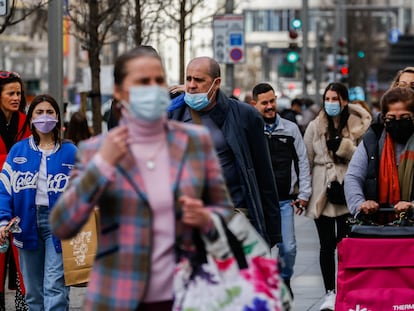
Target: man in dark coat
{"type": "Point", "coordinates": [237, 132]}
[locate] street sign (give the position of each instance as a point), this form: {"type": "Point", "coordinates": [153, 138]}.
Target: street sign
{"type": "Point", "coordinates": [394, 35]}
{"type": "Point", "coordinates": [3, 7]}
{"type": "Point", "coordinates": [228, 41]}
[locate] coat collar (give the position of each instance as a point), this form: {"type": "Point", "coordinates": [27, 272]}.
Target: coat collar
{"type": "Point", "coordinates": [219, 112]}
{"type": "Point", "coordinates": [358, 121]}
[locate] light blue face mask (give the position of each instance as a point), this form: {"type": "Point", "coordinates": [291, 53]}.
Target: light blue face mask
{"type": "Point", "coordinates": [198, 101]}
{"type": "Point", "coordinates": [332, 109]}
{"type": "Point", "coordinates": [148, 102]}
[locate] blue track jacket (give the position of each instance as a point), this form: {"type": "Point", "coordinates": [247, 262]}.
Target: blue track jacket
{"type": "Point", "coordinates": [18, 184]}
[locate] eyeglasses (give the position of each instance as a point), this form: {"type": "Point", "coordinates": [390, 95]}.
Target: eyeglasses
{"type": "Point", "coordinates": [8, 74]}
{"type": "Point", "coordinates": [405, 84]}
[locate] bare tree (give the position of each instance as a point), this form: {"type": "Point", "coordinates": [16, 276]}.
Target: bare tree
{"type": "Point", "coordinates": [93, 20]}
{"type": "Point", "coordinates": [181, 13]}
{"type": "Point", "coordinates": [25, 8]}
{"type": "Point", "coordinates": [146, 19]}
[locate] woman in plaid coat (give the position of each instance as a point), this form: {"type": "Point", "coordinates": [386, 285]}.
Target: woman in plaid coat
{"type": "Point", "coordinates": [154, 181]}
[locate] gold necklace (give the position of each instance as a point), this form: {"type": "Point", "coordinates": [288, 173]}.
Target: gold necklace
{"type": "Point", "coordinates": [150, 160]}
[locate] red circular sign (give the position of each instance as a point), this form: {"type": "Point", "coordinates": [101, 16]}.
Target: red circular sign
{"type": "Point", "coordinates": [236, 54]}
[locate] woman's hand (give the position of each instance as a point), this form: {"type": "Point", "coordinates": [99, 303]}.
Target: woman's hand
{"type": "Point", "coordinates": [369, 207]}
{"type": "Point", "coordinates": [177, 89]}
{"type": "Point", "coordinates": [402, 206]}
{"type": "Point", "coordinates": [194, 213]}
{"type": "Point", "coordinates": [115, 145]}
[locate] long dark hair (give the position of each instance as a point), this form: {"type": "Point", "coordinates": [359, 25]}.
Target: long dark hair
{"type": "Point", "coordinates": [333, 132]}
{"type": "Point", "coordinates": [78, 128]}
{"type": "Point", "coordinates": [342, 91]}
{"type": "Point", "coordinates": [57, 130]}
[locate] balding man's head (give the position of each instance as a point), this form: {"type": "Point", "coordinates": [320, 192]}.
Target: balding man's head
{"type": "Point", "coordinates": [211, 66]}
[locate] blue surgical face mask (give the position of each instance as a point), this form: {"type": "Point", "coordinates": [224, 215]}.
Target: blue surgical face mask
{"type": "Point", "coordinates": [198, 101]}
{"type": "Point", "coordinates": [332, 109]}
{"type": "Point", "coordinates": [148, 102]}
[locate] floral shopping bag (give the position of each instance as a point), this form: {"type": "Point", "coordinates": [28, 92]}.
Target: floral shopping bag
{"type": "Point", "coordinates": [235, 281]}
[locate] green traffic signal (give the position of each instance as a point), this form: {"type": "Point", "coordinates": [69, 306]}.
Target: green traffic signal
{"type": "Point", "coordinates": [292, 57]}
{"type": "Point", "coordinates": [296, 23]}
{"type": "Point", "coordinates": [361, 54]}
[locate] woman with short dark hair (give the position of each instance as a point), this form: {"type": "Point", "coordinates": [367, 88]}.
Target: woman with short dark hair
{"type": "Point", "coordinates": [381, 170]}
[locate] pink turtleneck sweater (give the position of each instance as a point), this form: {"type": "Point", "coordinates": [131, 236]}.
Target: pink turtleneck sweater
{"type": "Point", "coordinates": [148, 141]}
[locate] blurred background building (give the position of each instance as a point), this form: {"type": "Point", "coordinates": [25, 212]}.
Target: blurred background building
{"type": "Point", "coordinates": [298, 45]}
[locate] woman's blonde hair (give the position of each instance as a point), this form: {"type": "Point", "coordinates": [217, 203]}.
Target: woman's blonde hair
{"type": "Point", "coordinates": [394, 82]}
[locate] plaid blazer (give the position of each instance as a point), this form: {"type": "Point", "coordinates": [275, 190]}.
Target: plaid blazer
{"type": "Point", "coordinates": [122, 266]}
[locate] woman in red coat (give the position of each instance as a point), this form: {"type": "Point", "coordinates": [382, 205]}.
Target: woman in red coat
{"type": "Point", "coordinates": [12, 129]}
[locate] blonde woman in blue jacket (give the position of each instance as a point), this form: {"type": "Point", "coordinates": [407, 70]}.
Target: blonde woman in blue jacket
{"type": "Point", "coordinates": [34, 175]}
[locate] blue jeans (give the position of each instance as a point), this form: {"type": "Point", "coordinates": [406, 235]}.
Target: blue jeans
{"type": "Point", "coordinates": [287, 249]}
{"type": "Point", "coordinates": [42, 270]}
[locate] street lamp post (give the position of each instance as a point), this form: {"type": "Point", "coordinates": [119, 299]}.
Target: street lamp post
{"type": "Point", "coordinates": [55, 50]}
{"type": "Point", "coordinates": [230, 67]}
{"type": "Point", "coordinates": [305, 28]}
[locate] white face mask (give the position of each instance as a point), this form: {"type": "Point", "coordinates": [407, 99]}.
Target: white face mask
{"type": "Point", "coordinates": [148, 102]}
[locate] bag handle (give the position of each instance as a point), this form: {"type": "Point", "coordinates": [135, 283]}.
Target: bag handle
{"type": "Point", "coordinates": [235, 246]}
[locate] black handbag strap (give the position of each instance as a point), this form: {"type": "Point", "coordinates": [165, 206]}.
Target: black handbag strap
{"type": "Point", "coordinates": [236, 248]}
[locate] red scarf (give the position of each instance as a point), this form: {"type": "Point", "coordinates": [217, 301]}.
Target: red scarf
{"type": "Point", "coordinates": [388, 184]}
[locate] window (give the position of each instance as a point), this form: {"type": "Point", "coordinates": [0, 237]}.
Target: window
{"type": "Point", "coordinates": [269, 20]}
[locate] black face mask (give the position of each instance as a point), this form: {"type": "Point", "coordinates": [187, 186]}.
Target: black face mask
{"type": "Point", "coordinates": [400, 130]}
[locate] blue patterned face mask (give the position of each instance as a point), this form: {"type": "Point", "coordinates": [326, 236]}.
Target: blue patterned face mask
{"type": "Point", "coordinates": [198, 101]}
{"type": "Point", "coordinates": [148, 102]}
{"type": "Point", "coordinates": [332, 109]}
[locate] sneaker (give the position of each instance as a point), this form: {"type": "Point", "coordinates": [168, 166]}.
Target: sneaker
{"type": "Point", "coordinates": [329, 301]}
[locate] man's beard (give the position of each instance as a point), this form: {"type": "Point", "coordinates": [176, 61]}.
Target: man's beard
{"type": "Point", "coordinates": [270, 120]}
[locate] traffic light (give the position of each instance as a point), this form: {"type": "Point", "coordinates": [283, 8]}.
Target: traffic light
{"type": "Point", "coordinates": [344, 70]}
{"type": "Point", "coordinates": [343, 73]}
{"type": "Point", "coordinates": [361, 54]}
{"type": "Point", "coordinates": [293, 51]}
{"type": "Point", "coordinates": [292, 57]}
{"type": "Point", "coordinates": [297, 23]}
{"type": "Point", "coordinates": [342, 60]}
{"type": "Point", "coordinates": [308, 72]}
{"type": "Point", "coordinates": [293, 34]}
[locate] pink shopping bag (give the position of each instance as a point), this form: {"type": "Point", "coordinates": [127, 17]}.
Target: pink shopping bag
{"type": "Point", "coordinates": [375, 274]}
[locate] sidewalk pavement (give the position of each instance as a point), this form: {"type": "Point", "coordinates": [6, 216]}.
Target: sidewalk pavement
{"type": "Point", "coordinates": [306, 283]}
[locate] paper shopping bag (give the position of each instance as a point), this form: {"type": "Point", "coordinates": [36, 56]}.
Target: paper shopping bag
{"type": "Point", "coordinates": [79, 252]}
